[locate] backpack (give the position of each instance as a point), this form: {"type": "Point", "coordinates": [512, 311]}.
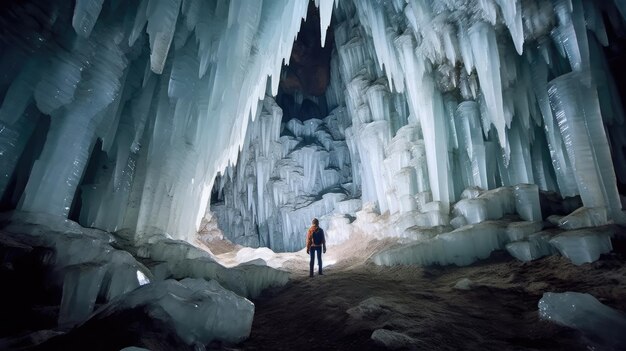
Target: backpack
{"type": "Point", "coordinates": [318, 237]}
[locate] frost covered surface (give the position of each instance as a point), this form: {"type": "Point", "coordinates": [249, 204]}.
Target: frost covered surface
{"type": "Point", "coordinates": [601, 324]}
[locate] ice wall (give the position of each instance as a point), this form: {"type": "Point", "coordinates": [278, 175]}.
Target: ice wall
{"type": "Point", "coordinates": [447, 96]}
{"type": "Point", "coordinates": [167, 87]}
{"type": "Point", "coordinates": [440, 96]}
{"type": "Point", "coordinates": [498, 93]}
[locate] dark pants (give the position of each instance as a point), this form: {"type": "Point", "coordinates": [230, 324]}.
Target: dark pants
{"type": "Point", "coordinates": [314, 249]}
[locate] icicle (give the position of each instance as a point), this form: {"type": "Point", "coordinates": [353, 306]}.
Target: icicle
{"type": "Point", "coordinates": [140, 21]}
{"type": "Point", "coordinates": [487, 59]}
{"type": "Point", "coordinates": [488, 9]}
{"type": "Point", "coordinates": [465, 47]}
{"type": "Point", "coordinates": [512, 12]}
{"type": "Point", "coordinates": [326, 11]}
{"type": "Point", "coordinates": [571, 34]}
{"type": "Point", "coordinates": [383, 45]}
{"type": "Point", "coordinates": [162, 16]}
{"type": "Point", "coordinates": [85, 16]}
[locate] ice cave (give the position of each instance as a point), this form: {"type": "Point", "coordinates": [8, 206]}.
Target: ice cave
{"type": "Point", "coordinates": [162, 163]}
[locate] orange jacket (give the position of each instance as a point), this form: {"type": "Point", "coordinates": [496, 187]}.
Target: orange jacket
{"type": "Point", "coordinates": [309, 238]}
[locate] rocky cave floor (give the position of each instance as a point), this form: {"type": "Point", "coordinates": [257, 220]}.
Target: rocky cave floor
{"type": "Point", "coordinates": [408, 307]}
{"type": "Point", "coordinates": [341, 309]}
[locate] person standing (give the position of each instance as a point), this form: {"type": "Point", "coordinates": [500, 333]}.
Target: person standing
{"type": "Point", "coordinates": [315, 242]}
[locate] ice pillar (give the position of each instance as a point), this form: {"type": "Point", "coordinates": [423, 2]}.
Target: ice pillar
{"type": "Point", "coordinates": [574, 101]}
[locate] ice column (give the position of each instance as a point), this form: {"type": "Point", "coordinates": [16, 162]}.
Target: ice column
{"type": "Point", "coordinates": [574, 100]}
{"type": "Point", "coordinates": [58, 171]}
{"type": "Point", "coordinates": [426, 102]}
{"type": "Point", "coordinates": [558, 154]}
{"type": "Point", "coordinates": [471, 142]}
{"type": "Point", "coordinates": [13, 139]}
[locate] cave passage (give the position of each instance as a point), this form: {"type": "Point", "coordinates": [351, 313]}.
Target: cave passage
{"type": "Point", "coordinates": [162, 160]}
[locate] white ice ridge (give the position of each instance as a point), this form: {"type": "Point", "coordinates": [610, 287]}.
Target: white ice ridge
{"type": "Point", "coordinates": [139, 105]}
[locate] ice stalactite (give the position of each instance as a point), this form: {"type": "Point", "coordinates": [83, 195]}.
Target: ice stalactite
{"type": "Point", "coordinates": [326, 11]}
{"type": "Point", "coordinates": [442, 99]}
{"type": "Point", "coordinates": [437, 97]}
{"type": "Point", "coordinates": [167, 87]}
{"type": "Point", "coordinates": [444, 48]}
{"type": "Point", "coordinates": [86, 14]}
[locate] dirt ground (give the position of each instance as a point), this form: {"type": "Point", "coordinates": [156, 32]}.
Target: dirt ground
{"type": "Point", "coordinates": [341, 309]}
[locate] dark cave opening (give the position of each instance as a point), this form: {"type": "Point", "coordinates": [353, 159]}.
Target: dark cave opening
{"type": "Point", "coordinates": [303, 82]}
